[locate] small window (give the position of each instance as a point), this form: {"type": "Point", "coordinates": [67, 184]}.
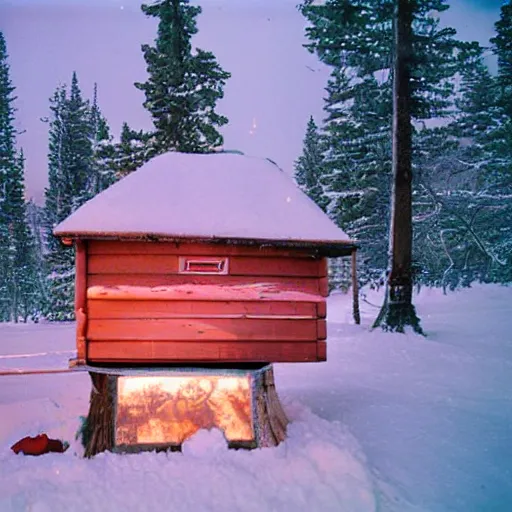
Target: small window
{"type": "Point", "coordinates": [201, 265]}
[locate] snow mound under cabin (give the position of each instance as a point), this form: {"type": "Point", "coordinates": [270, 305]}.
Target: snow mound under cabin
{"type": "Point", "coordinates": [218, 196]}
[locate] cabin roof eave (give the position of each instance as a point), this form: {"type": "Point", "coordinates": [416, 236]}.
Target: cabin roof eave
{"type": "Point", "coordinates": [328, 248]}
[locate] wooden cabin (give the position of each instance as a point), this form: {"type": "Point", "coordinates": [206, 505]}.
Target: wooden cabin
{"type": "Point", "coordinates": [215, 258]}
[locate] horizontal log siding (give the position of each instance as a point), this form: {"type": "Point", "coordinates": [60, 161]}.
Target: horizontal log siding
{"type": "Point", "coordinates": [211, 329]}
{"type": "Point", "coordinates": [225, 351]}
{"type": "Point", "coordinates": [205, 329]}
{"type": "Point", "coordinates": [238, 265]}
{"type": "Point", "coordinates": [125, 309]}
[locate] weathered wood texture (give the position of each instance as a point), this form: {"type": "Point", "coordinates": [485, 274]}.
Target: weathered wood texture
{"type": "Point", "coordinates": [81, 299]}
{"type": "Point", "coordinates": [98, 429]}
{"type": "Point", "coordinates": [210, 329]}
{"type": "Point", "coordinates": [245, 304]}
{"type": "Point", "coordinates": [238, 265]}
{"type": "Point", "coordinates": [131, 309]}
{"type": "Point", "coordinates": [111, 351]}
{"type": "Point", "coordinates": [271, 420]}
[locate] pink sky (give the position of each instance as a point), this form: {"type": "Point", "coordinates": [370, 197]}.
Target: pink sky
{"type": "Point", "coordinates": [275, 85]}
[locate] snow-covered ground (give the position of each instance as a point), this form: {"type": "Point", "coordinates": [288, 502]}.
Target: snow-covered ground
{"type": "Point", "coordinates": [391, 422]}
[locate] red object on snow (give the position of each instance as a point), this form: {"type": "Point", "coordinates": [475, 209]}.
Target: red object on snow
{"type": "Point", "coordinates": [38, 445]}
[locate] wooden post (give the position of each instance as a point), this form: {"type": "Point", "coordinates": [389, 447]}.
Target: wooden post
{"type": "Point", "coordinates": [355, 290]}
{"type": "Point", "coordinates": [81, 300]}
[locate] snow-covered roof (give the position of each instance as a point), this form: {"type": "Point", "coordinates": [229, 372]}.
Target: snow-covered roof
{"type": "Point", "coordinates": [205, 196]}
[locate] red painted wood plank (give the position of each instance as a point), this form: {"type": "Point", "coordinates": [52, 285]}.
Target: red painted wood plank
{"type": "Point", "coordinates": [324, 267]}
{"type": "Point", "coordinates": [135, 247]}
{"type": "Point", "coordinates": [205, 330]}
{"type": "Point", "coordinates": [197, 352]}
{"type": "Point", "coordinates": [321, 309]}
{"type": "Point", "coordinates": [98, 309]}
{"type": "Point", "coordinates": [301, 284]}
{"type": "Point", "coordinates": [321, 330]}
{"type": "Point", "coordinates": [323, 286]}
{"type": "Point", "coordinates": [321, 351]}
{"type": "Point", "coordinates": [168, 264]}
{"type": "Point", "coordinates": [132, 264]}
{"type": "Point", "coordinates": [245, 266]}
{"type": "Point", "coordinates": [256, 292]}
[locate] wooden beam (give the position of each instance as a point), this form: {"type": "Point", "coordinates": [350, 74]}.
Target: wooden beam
{"type": "Point", "coordinates": [129, 352]}
{"type": "Point", "coordinates": [206, 330]}
{"type": "Point", "coordinates": [238, 265]}
{"type": "Point", "coordinates": [321, 351]}
{"type": "Point", "coordinates": [34, 371]}
{"type": "Point", "coordinates": [309, 285]}
{"type": "Point", "coordinates": [81, 299]}
{"type": "Point", "coordinates": [131, 309]}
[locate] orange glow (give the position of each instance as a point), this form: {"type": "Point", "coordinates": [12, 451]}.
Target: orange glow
{"type": "Point", "coordinates": [169, 410]}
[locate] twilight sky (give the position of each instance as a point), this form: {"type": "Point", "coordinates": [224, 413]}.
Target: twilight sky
{"type": "Point", "coordinates": [275, 85]}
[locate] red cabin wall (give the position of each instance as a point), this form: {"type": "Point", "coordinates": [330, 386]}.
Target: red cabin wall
{"type": "Point", "coordinates": [221, 324]}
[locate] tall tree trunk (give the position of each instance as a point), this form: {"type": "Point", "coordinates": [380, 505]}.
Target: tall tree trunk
{"type": "Point", "coordinates": [397, 311]}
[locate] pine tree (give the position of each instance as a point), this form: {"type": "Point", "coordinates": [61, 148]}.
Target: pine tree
{"type": "Point", "coordinates": [70, 173]}
{"type": "Point", "coordinates": [355, 37]}
{"type": "Point", "coordinates": [133, 149]}
{"type": "Point", "coordinates": [79, 135]}
{"type": "Point", "coordinates": [102, 174]}
{"type": "Point", "coordinates": [456, 215]}
{"type": "Point", "coordinates": [309, 167]}
{"type": "Point", "coordinates": [357, 131]}
{"type": "Point", "coordinates": [183, 86]}
{"type": "Point", "coordinates": [18, 284]}
{"type": "Point", "coordinates": [36, 224]}
{"type": "Point", "coordinates": [7, 165]}
{"type": "Point", "coordinates": [25, 279]}
{"type": "Point", "coordinates": [502, 47]}
{"type": "Point", "coordinates": [498, 178]}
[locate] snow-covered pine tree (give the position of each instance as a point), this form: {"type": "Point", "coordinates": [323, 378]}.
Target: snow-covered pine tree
{"type": "Point", "coordinates": [36, 223]}
{"type": "Point", "coordinates": [18, 286]}
{"type": "Point", "coordinates": [309, 167]}
{"type": "Point", "coordinates": [7, 165]}
{"type": "Point", "coordinates": [35, 216]}
{"type": "Point", "coordinates": [355, 38]}
{"type": "Point", "coordinates": [437, 170]}
{"type": "Point", "coordinates": [359, 36]}
{"type": "Point", "coordinates": [498, 178]}
{"type": "Point", "coordinates": [502, 47]}
{"type": "Point", "coordinates": [357, 130]}
{"type": "Point", "coordinates": [103, 151]}
{"type": "Point", "coordinates": [133, 149]}
{"type": "Point", "coordinates": [183, 86]}
{"type": "Point", "coordinates": [58, 205]}
{"type": "Point", "coordinates": [455, 221]}
{"type": "Point", "coordinates": [25, 282]}
{"type": "Point", "coordinates": [69, 175]}
{"type": "Point", "coordinates": [79, 137]}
